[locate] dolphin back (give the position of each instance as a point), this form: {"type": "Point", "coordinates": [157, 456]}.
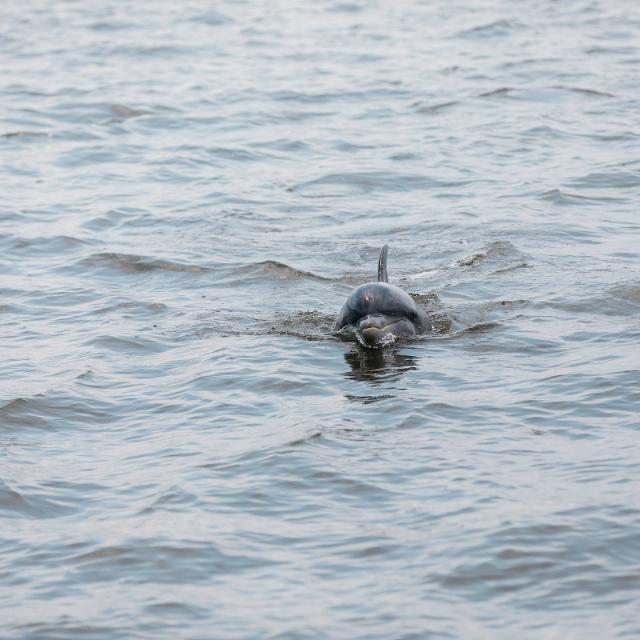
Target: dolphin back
{"type": "Point", "coordinates": [382, 264]}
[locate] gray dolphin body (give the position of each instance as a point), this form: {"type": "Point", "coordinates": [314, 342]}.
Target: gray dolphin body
{"type": "Point", "coordinates": [379, 312]}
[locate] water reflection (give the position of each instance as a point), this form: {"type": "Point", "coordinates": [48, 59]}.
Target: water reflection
{"type": "Point", "coordinates": [378, 365]}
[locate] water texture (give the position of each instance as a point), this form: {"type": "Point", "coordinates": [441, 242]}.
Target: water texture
{"type": "Point", "coordinates": [190, 191]}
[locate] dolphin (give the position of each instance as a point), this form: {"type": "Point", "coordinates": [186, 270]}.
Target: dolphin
{"type": "Point", "coordinates": [378, 312]}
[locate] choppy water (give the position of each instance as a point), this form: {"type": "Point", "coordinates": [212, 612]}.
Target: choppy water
{"type": "Point", "coordinates": [189, 193]}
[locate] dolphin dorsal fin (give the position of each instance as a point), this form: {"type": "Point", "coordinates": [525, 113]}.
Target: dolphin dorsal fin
{"type": "Point", "coordinates": [382, 264]}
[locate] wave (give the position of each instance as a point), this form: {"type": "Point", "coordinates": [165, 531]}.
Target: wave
{"type": "Point", "coordinates": [359, 183]}
{"type": "Point", "coordinates": [131, 263]}
{"type": "Point", "coordinates": [274, 270]}
{"type": "Point", "coordinates": [498, 251]}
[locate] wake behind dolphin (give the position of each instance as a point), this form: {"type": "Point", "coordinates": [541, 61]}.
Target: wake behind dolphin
{"type": "Point", "coordinates": [379, 312]}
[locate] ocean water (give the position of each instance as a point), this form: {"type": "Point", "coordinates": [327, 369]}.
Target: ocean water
{"type": "Point", "coordinates": [189, 193]}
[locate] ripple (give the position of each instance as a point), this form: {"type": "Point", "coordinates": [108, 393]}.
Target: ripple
{"type": "Point", "coordinates": [591, 93]}
{"type": "Point", "coordinates": [619, 300]}
{"type": "Point", "coordinates": [567, 198]}
{"type": "Point", "coordinates": [125, 113]}
{"type": "Point", "coordinates": [346, 184]}
{"type": "Point", "coordinates": [31, 503]}
{"type": "Point", "coordinates": [26, 135]}
{"type": "Point", "coordinates": [435, 108]}
{"type": "Point", "coordinates": [499, 92]}
{"type": "Point", "coordinates": [495, 29]}
{"type": "Point", "coordinates": [129, 263]}
{"type": "Point", "coordinates": [500, 251]}
{"type": "Point", "coordinates": [113, 219]}
{"type": "Point", "coordinates": [131, 345]}
{"type": "Point", "coordinates": [627, 294]}
{"type": "Point", "coordinates": [53, 410]}
{"type": "Point", "coordinates": [43, 245]}
{"type": "Point", "coordinates": [607, 180]}
{"type": "Point", "coordinates": [539, 554]}
{"type": "Point", "coordinates": [271, 270]}
{"type": "Point", "coordinates": [138, 561]}
{"type": "Point", "coordinates": [211, 18]}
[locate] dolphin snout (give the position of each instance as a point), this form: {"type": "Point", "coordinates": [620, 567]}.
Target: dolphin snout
{"type": "Point", "coordinates": [375, 331]}
{"type": "Point", "coordinates": [374, 321]}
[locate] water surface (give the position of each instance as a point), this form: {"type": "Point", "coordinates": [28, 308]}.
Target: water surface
{"type": "Point", "coordinates": [189, 194]}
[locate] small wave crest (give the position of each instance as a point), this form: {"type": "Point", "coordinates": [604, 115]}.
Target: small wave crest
{"type": "Point", "coordinates": [501, 253]}
{"type": "Point", "coordinates": [130, 263]}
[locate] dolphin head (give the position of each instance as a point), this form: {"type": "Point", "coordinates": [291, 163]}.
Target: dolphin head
{"type": "Point", "coordinates": [379, 312]}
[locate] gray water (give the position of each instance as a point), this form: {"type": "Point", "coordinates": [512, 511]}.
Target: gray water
{"type": "Point", "coordinates": [189, 193]}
